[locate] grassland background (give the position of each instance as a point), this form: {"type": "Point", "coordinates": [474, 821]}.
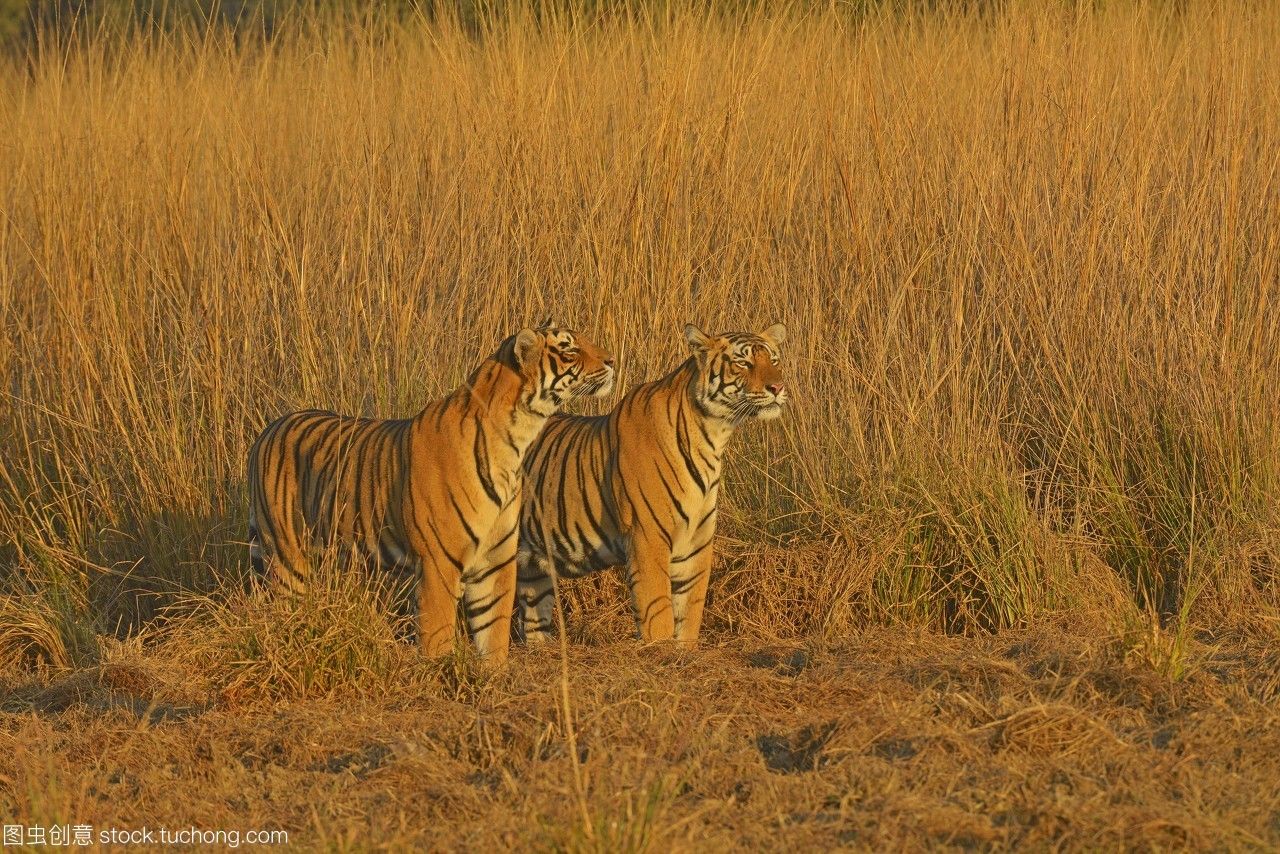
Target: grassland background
{"type": "Point", "coordinates": [1027, 255]}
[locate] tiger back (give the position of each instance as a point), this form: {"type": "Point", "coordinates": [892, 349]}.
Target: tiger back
{"type": "Point", "coordinates": [639, 487]}
{"type": "Point", "coordinates": [436, 495]}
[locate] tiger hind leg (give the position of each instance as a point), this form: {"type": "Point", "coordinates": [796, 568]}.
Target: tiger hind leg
{"type": "Point", "coordinates": [257, 564]}
{"type": "Point", "coordinates": [279, 564]}
{"type": "Point", "coordinates": [535, 594]}
{"type": "Point", "coordinates": [258, 578]}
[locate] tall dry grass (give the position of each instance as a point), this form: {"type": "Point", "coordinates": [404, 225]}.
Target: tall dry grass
{"type": "Point", "coordinates": [1028, 258]}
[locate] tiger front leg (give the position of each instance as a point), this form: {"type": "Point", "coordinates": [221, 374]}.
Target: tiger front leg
{"type": "Point", "coordinates": [488, 596]}
{"type": "Point", "coordinates": [650, 583]}
{"type": "Point", "coordinates": [439, 587]}
{"type": "Point", "coordinates": [535, 591]}
{"type": "Point", "coordinates": [689, 579]}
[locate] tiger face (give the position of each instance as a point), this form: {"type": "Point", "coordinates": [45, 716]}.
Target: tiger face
{"type": "Point", "coordinates": [739, 376]}
{"type": "Point", "coordinates": [560, 364]}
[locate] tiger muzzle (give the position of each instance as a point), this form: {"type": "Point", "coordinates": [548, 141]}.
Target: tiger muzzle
{"type": "Point", "coordinates": [598, 384]}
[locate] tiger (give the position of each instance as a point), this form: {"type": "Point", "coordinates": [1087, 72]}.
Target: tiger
{"type": "Point", "coordinates": [435, 496]}
{"type": "Point", "coordinates": [639, 487]}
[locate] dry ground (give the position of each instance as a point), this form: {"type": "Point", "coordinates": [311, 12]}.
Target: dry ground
{"type": "Point", "coordinates": [1040, 738]}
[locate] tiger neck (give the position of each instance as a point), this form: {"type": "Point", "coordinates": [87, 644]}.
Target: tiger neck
{"type": "Point", "coordinates": [495, 399]}
{"type": "Point", "coordinates": [704, 434]}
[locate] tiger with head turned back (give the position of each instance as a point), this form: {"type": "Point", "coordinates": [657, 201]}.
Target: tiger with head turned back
{"type": "Point", "coordinates": [639, 486]}
{"type": "Point", "coordinates": [437, 494]}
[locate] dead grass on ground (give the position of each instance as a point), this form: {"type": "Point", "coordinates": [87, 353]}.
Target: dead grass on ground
{"type": "Point", "coordinates": [893, 738]}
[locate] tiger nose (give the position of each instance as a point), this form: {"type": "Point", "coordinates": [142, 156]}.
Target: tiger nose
{"type": "Point", "coordinates": [776, 388]}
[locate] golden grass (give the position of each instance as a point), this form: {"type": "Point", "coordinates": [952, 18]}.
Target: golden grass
{"type": "Point", "coordinates": [1027, 257]}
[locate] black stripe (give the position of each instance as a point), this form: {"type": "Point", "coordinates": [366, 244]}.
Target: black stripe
{"type": "Point", "coordinates": [475, 541]}
{"type": "Point", "coordinates": [412, 519]}
{"type": "Point", "coordinates": [693, 553]}
{"type": "Point", "coordinates": [679, 586]}
{"type": "Point", "coordinates": [560, 544]}
{"type": "Point", "coordinates": [320, 481]}
{"type": "Point", "coordinates": [483, 576]}
{"type": "Point", "coordinates": [588, 510]}
{"type": "Point", "coordinates": [457, 564]}
{"type": "Point", "coordinates": [537, 600]}
{"type": "Point", "coordinates": [493, 548]}
{"type": "Point", "coordinates": [475, 609]}
{"type": "Point", "coordinates": [706, 437]}
{"type": "Point", "coordinates": [666, 536]}
{"type": "Point", "coordinates": [675, 502]}
{"type": "Point", "coordinates": [598, 533]}
{"type": "Point", "coordinates": [305, 429]}
{"type": "Point", "coordinates": [475, 630]}
{"type": "Point", "coordinates": [357, 450]}
{"type": "Point", "coordinates": [264, 517]}
{"type": "Point", "coordinates": [561, 509]}
{"type": "Point", "coordinates": [323, 470]}
{"type": "Point", "coordinates": [481, 459]}
{"type": "Point", "coordinates": [276, 449]}
{"type": "Point", "coordinates": [682, 444]}
{"type": "Point", "coordinates": [649, 614]}
{"type": "Point", "coordinates": [441, 409]}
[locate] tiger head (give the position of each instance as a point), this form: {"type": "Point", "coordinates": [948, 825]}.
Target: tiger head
{"type": "Point", "coordinates": [559, 364]}
{"type": "Point", "coordinates": [738, 376]}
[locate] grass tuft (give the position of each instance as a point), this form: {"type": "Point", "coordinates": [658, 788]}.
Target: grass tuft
{"type": "Point", "coordinates": [40, 631]}
{"type": "Point", "coordinates": [336, 638]}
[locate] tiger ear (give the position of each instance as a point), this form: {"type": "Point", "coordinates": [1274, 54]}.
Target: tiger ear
{"type": "Point", "coordinates": [548, 323]}
{"type": "Point", "coordinates": [526, 345]}
{"type": "Point", "coordinates": [776, 333]}
{"type": "Point", "coordinates": [696, 338]}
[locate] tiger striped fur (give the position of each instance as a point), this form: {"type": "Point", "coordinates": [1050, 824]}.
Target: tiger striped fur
{"type": "Point", "coordinates": [639, 486]}
{"type": "Point", "coordinates": [437, 495]}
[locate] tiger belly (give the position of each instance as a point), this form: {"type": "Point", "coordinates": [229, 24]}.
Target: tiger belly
{"type": "Point", "coordinates": [578, 558]}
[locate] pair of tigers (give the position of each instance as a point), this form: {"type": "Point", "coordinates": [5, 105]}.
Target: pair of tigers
{"type": "Point", "coordinates": [486, 492]}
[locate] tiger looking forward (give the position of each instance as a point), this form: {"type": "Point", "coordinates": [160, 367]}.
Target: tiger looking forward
{"type": "Point", "coordinates": [639, 487]}
{"type": "Point", "coordinates": [436, 495]}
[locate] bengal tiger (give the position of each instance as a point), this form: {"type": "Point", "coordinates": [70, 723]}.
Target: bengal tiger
{"type": "Point", "coordinates": [436, 495]}
{"type": "Point", "coordinates": [639, 487]}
